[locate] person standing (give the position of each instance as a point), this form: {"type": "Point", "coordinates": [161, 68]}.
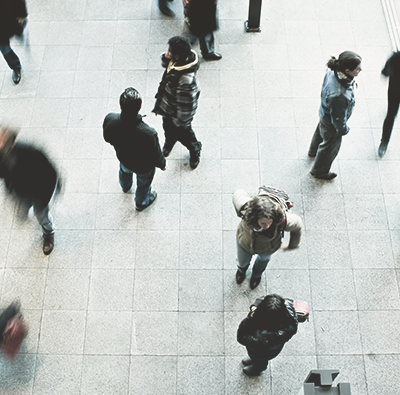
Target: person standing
{"type": "Point", "coordinates": [337, 103]}
{"type": "Point", "coordinates": [271, 322]}
{"type": "Point", "coordinates": [177, 97]}
{"type": "Point", "coordinates": [391, 70]}
{"type": "Point", "coordinates": [31, 178]}
{"type": "Point", "coordinates": [264, 218]}
{"type": "Point", "coordinates": [12, 16]}
{"type": "Point", "coordinates": [137, 147]}
{"type": "Point", "coordinates": [201, 17]}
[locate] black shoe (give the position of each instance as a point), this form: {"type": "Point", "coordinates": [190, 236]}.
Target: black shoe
{"type": "Point", "coordinates": [152, 197]}
{"type": "Point", "coordinates": [166, 150]}
{"type": "Point", "coordinates": [194, 159]}
{"type": "Point", "coordinates": [213, 56]}
{"type": "Point", "coordinates": [311, 154]}
{"type": "Point", "coordinates": [247, 361]}
{"type": "Point", "coordinates": [167, 11]}
{"type": "Point", "coordinates": [240, 276]}
{"type": "Point", "coordinates": [382, 149]}
{"type": "Point", "coordinates": [254, 281]}
{"type": "Point", "coordinates": [16, 76]}
{"type": "Point", "coordinates": [250, 371]}
{"type": "Point", "coordinates": [328, 177]}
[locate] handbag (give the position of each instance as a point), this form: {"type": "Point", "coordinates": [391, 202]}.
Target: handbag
{"type": "Point", "coordinates": [13, 336]}
{"type": "Point", "coordinates": [302, 310]}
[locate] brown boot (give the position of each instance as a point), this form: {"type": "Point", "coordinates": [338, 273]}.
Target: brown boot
{"type": "Point", "coordinates": [48, 244]}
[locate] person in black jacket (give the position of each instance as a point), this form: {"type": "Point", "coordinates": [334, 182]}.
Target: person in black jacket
{"type": "Point", "coordinates": [271, 322]}
{"type": "Point", "coordinates": [201, 17]}
{"type": "Point", "coordinates": [391, 70]}
{"type": "Point", "coordinates": [137, 147]}
{"type": "Point", "coordinates": [31, 178]}
{"type": "Point", "coordinates": [12, 17]}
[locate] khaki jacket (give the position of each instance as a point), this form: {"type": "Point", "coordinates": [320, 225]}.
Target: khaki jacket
{"type": "Point", "coordinates": [256, 243]}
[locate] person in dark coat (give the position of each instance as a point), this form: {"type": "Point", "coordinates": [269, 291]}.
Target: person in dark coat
{"type": "Point", "coordinates": [31, 179]}
{"type": "Point", "coordinates": [201, 17]}
{"type": "Point", "coordinates": [12, 18]}
{"type": "Point", "coordinates": [391, 70]}
{"type": "Point", "coordinates": [137, 147]}
{"type": "Point", "coordinates": [271, 322]}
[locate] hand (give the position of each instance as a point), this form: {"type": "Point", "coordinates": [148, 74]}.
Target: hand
{"type": "Point", "coordinates": [20, 20]}
{"type": "Point", "coordinates": [165, 167]}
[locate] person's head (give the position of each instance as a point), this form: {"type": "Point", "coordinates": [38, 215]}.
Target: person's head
{"type": "Point", "coordinates": [348, 63]}
{"type": "Point", "coordinates": [130, 101]}
{"type": "Point", "coordinates": [263, 212]}
{"type": "Point", "coordinates": [271, 312]}
{"type": "Point", "coordinates": [7, 139]}
{"type": "Point", "coordinates": [179, 48]}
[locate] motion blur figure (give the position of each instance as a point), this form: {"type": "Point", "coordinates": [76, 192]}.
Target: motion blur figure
{"type": "Point", "coordinates": [31, 179]}
{"type": "Point", "coordinates": [12, 21]}
{"type": "Point", "coordinates": [391, 70]}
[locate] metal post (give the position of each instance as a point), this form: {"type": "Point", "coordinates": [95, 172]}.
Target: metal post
{"type": "Point", "coordinates": [319, 381]}
{"type": "Point", "coordinates": [253, 24]}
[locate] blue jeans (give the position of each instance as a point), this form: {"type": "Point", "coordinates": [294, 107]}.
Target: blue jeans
{"type": "Point", "coordinates": [10, 57]}
{"type": "Point", "coordinates": [206, 43]}
{"type": "Point", "coordinates": [143, 181]}
{"type": "Point", "coordinates": [244, 258]}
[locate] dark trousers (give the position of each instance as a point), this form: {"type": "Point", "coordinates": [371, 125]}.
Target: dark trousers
{"type": "Point", "coordinates": [393, 108]}
{"type": "Point", "coordinates": [10, 56]}
{"type": "Point", "coordinates": [184, 134]}
{"type": "Point", "coordinates": [325, 146]}
{"type": "Point", "coordinates": [206, 43]}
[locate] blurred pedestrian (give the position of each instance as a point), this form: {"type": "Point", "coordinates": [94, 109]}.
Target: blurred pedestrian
{"type": "Point", "coordinates": [201, 17]}
{"type": "Point", "coordinates": [337, 103]}
{"type": "Point", "coordinates": [164, 8]}
{"type": "Point", "coordinates": [137, 147]}
{"type": "Point", "coordinates": [391, 70]}
{"type": "Point", "coordinates": [31, 179]}
{"type": "Point", "coordinates": [12, 22]}
{"type": "Point", "coordinates": [271, 322]}
{"type": "Point", "coordinates": [260, 232]}
{"type": "Point", "coordinates": [177, 97]}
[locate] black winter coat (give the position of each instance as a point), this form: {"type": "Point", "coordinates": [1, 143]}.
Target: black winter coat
{"type": "Point", "coordinates": [261, 344]}
{"type": "Point", "coordinates": [392, 70]}
{"type": "Point", "coordinates": [202, 16]}
{"type": "Point", "coordinates": [10, 10]}
{"type": "Point", "coordinates": [135, 142]}
{"type": "Point", "coordinates": [29, 174]}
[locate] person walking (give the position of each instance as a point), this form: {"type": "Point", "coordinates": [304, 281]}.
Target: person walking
{"type": "Point", "coordinates": [264, 219]}
{"type": "Point", "coordinates": [137, 147]}
{"type": "Point", "coordinates": [271, 322]}
{"type": "Point", "coordinates": [201, 18]}
{"type": "Point", "coordinates": [31, 178]}
{"type": "Point", "coordinates": [391, 70]}
{"type": "Point", "coordinates": [12, 17]}
{"type": "Point", "coordinates": [177, 97]}
{"type": "Point", "coordinates": [337, 103]}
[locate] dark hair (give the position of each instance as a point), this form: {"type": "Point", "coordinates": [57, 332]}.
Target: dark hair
{"type": "Point", "coordinates": [130, 101]}
{"type": "Point", "coordinates": [271, 313]}
{"type": "Point", "coordinates": [263, 207]}
{"type": "Point", "coordinates": [179, 46]}
{"type": "Point", "coordinates": [347, 60]}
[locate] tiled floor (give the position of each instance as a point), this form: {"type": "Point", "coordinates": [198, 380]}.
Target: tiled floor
{"type": "Point", "coordinates": [146, 303]}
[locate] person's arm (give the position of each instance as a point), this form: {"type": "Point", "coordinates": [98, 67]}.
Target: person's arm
{"type": "Point", "coordinates": [294, 225]}
{"type": "Point", "coordinates": [186, 100]}
{"type": "Point", "coordinates": [108, 134]}
{"type": "Point", "coordinates": [239, 199]}
{"type": "Point", "coordinates": [160, 159]}
{"type": "Point", "coordinates": [338, 114]}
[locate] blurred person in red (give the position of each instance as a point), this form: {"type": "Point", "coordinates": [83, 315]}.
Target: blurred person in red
{"type": "Point", "coordinates": [31, 179]}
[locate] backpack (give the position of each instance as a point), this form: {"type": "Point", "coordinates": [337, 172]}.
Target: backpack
{"type": "Point", "coordinates": [13, 336]}
{"type": "Point", "coordinates": [277, 193]}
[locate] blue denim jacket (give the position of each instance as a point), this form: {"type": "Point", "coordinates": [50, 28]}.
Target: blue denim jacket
{"type": "Point", "coordinates": [337, 101]}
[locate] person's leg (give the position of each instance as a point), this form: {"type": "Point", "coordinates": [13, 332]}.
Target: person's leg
{"type": "Point", "coordinates": [393, 108]}
{"type": "Point", "coordinates": [164, 8]}
{"type": "Point", "coordinates": [10, 57]}
{"type": "Point", "coordinates": [207, 44]}
{"type": "Point", "coordinates": [243, 258]}
{"type": "Point", "coordinates": [315, 142]}
{"type": "Point", "coordinates": [260, 265]}
{"type": "Point", "coordinates": [143, 189]}
{"type": "Point", "coordinates": [171, 135]}
{"type": "Point", "coordinates": [125, 178]}
{"type": "Point", "coordinates": [44, 218]}
{"type": "Point", "coordinates": [188, 138]}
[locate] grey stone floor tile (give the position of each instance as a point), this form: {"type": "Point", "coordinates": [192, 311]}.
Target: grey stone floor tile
{"type": "Point", "coordinates": [156, 285]}
{"type": "Point", "coordinates": [337, 332]}
{"type": "Point", "coordinates": [67, 32]}
{"type": "Point", "coordinates": [200, 290]}
{"type": "Point", "coordinates": [80, 145]}
{"type": "Point", "coordinates": [305, 112]}
{"type": "Point", "coordinates": [299, 32]}
{"type": "Point", "coordinates": [27, 88]}
{"type": "Point", "coordinates": [138, 31]}
{"type": "Point", "coordinates": [205, 179]}
{"type": "Point", "coordinates": [98, 33]}
{"type": "Point", "coordinates": [229, 249]}
{"type": "Point", "coordinates": [395, 239]}
{"type": "Point", "coordinates": [315, 57]}
{"type": "Point", "coordinates": [31, 341]}
{"type": "Point", "coordinates": [200, 375]}
{"type": "Point", "coordinates": [232, 32]}
{"type": "Point", "coordinates": [93, 58]}
{"type": "Point", "coordinates": [60, 374]}
{"type": "Point", "coordinates": [230, 220]}
{"type": "Point", "coordinates": [374, 85]}
{"type": "Point", "coordinates": [240, 174]}
{"type": "Point", "coordinates": [153, 374]}
{"type": "Point", "coordinates": [109, 176]}
{"type": "Point", "coordinates": [270, 57]}
{"type": "Point", "coordinates": [333, 289]}
{"type": "Point", "coordinates": [234, 114]}
{"type": "Point", "coordinates": [62, 332]}
{"type": "Point", "coordinates": [306, 83]}
{"type": "Point", "coordinates": [295, 11]}
{"type": "Point", "coordinates": [293, 284]}
{"type": "Point", "coordinates": [360, 117]}
{"type": "Point", "coordinates": [108, 333]}
{"type": "Point", "coordinates": [73, 10]}
{"type": "Point", "coordinates": [7, 208]}
{"type": "Point", "coordinates": [379, 373]}
{"type": "Point", "coordinates": [371, 284]}
{"type": "Point", "coordinates": [379, 332]}
{"type": "Point", "coordinates": [299, 366]}
{"type": "Point", "coordinates": [391, 203]}
{"type": "Point", "coordinates": [170, 180]}
{"type": "Point", "coordinates": [387, 170]}
{"type": "Point", "coordinates": [352, 370]}
{"type": "Point", "coordinates": [208, 114]}
{"type": "Point", "coordinates": [17, 378]}
{"type": "Point", "coordinates": [91, 83]}
{"type": "Point", "coordinates": [155, 333]}
{"type": "Point", "coordinates": [303, 342]}
{"type": "Point", "coordinates": [41, 11]}
{"type": "Point", "coordinates": [31, 57]}
{"type": "Point", "coordinates": [233, 81]}
{"type": "Point", "coordinates": [369, 34]}
{"type": "Point", "coordinates": [105, 374]}
{"type": "Point", "coordinates": [137, 10]}
{"type": "Point", "coordinates": [161, 31]}
{"type": "Point", "coordinates": [100, 10]}
{"type": "Point", "coordinates": [237, 144]}
{"type": "Point", "coordinates": [60, 57]}
{"type": "Point", "coordinates": [82, 175]}
{"type": "Point", "coordinates": [50, 112]}
{"type": "Point", "coordinates": [270, 144]}
{"type": "Point", "coordinates": [38, 31]}
{"type": "Point", "coordinates": [363, 139]}
{"type": "Point", "coordinates": [88, 113]}
{"type": "Point", "coordinates": [290, 259]}
{"type": "Point", "coordinates": [352, 176]}
{"type": "Point", "coordinates": [275, 112]}
{"type": "Point", "coordinates": [111, 289]}
{"type": "Point", "coordinates": [12, 109]}
{"type": "Point", "coordinates": [231, 324]}
{"type": "Point", "coordinates": [207, 326]}
{"type": "Point", "coordinates": [377, 111]}
{"type": "Point", "coordinates": [331, 34]}
{"type": "Point", "coordinates": [122, 79]}
{"type": "Point", "coordinates": [67, 289]}
{"type": "Point", "coordinates": [130, 57]}
{"type": "Point", "coordinates": [235, 57]}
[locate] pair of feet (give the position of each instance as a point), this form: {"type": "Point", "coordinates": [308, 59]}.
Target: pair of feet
{"type": "Point", "coordinates": [328, 176]}
{"type": "Point", "coordinates": [254, 281]}
{"type": "Point", "coordinates": [194, 156]}
{"type": "Point", "coordinates": [249, 368]}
